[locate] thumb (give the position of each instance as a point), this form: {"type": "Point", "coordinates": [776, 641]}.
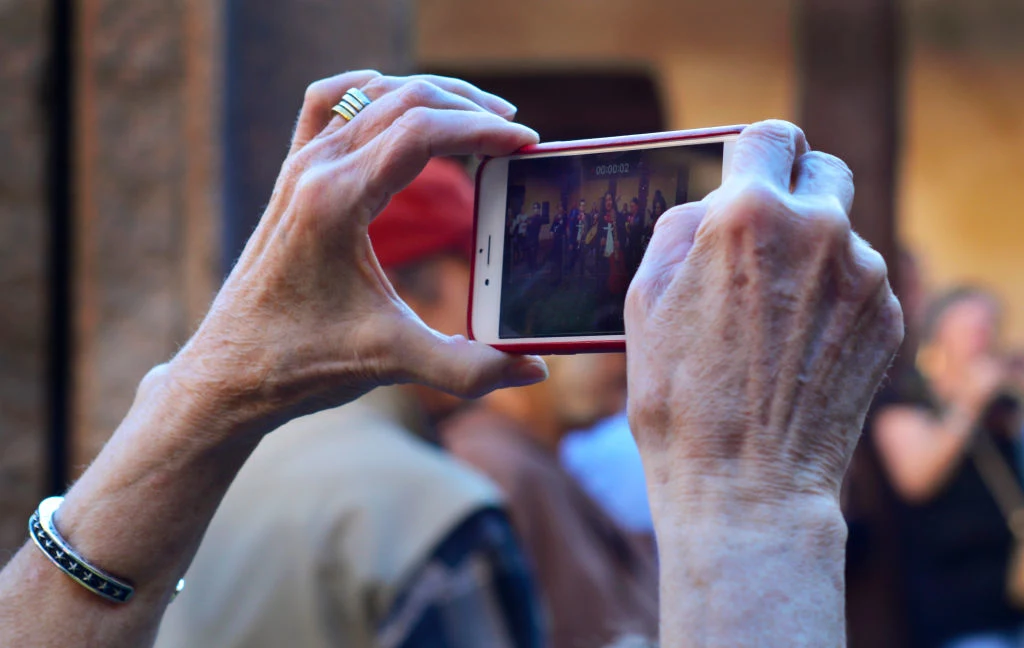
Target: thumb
{"type": "Point", "coordinates": [465, 368]}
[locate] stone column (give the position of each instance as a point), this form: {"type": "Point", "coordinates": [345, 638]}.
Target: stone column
{"type": "Point", "coordinates": [173, 97]}
{"type": "Point", "coordinates": [147, 148]}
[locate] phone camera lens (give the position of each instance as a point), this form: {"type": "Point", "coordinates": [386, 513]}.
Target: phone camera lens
{"type": "Point", "coordinates": [487, 282]}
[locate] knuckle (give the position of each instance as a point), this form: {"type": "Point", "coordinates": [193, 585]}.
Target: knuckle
{"type": "Point", "coordinates": [316, 94]}
{"type": "Point", "coordinates": [416, 119]}
{"type": "Point", "coordinates": [829, 221]}
{"type": "Point", "coordinates": [685, 211]}
{"type": "Point", "coordinates": [827, 160]}
{"type": "Point", "coordinates": [753, 205]}
{"type": "Point", "coordinates": [892, 318]}
{"type": "Point", "coordinates": [377, 85]}
{"type": "Point", "coordinates": [310, 187]}
{"type": "Point", "coordinates": [417, 92]}
{"type": "Point", "coordinates": [873, 267]}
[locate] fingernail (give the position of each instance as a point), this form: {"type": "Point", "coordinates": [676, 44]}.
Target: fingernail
{"type": "Point", "coordinates": [506, 108]}
{"type": "Point", "coordinates": [534, 133]}
{"type": "Point", "coordinates": [527, 370]}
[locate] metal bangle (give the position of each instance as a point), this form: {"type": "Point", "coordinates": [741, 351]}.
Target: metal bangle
{"type": "Point", "coordinates": [45, 535]}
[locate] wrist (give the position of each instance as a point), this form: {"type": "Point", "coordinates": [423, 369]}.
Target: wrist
{"type": "Point", "coordinates": [753, 509]}
{"type": "Point", "coordinates": [730, 565]}
{"type": "Point", "coordinates": [221, 401]}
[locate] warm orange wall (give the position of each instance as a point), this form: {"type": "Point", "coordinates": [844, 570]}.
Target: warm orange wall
{"type": "Point", "coordinates": [732, 61]}
{"type": "Point", "coordinates": [721, 62]}
{"type": "Point", "coordinates": [962, 207]}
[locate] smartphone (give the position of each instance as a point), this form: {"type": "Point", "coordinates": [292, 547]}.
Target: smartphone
{"type": "Point", "coordinates": [561, 228]}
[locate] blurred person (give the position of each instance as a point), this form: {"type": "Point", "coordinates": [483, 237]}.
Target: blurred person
{"type": "Point", "coordinates": [512, 230]}
{"type": "Point", "coordinates": [520, 224]}
{"type": "Point", "coordinates": [634, 235]}
{"type": "Point", "coordinates": [605, 461]}
{"type": "Point", "coordinates": [365, 533]}
{"type": "Point", "coordinates": [597, 583]}
{"type": "Point", "coordinates": [611, 261]}
{"type": "Point", "coordinates": [591, 241]}
{"type": "Point", "coordinates": [577, 230]}
{"type": "Point", "coordinates": [929, 428]}
{"type": "Point", "coordinates": [556, 256]}
{"type": "Point", "coordinates": [876, 603]}
{"type": "Point", "coordinates": [534, 223]}
{"type": "Point", "coordinates": [745, 417]}
{"type": "Point", "coordinates": [658, 207]}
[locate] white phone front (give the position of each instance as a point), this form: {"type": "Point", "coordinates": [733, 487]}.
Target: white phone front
{"type": "Point", "coordinates": [562, 227]}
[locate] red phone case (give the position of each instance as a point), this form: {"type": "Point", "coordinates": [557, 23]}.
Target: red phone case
{"type": "Point", "coordinates": [579, 346]}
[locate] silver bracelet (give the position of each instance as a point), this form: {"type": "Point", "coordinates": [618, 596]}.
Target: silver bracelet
{"type": "Point", "coordinates": [44, 533]}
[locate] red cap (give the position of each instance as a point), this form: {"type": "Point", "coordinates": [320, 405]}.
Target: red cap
{"type": "Point", "coordinates": [431, 216]}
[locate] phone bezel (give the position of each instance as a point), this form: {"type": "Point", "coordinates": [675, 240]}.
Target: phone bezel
{"type": "Point", "coordinates": [489, 235]}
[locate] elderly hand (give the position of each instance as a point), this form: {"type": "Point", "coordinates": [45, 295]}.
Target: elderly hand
{"type": "Point", "coordinates": [307, 319]}
{"type": "Point", "coordinates": [758, 329]}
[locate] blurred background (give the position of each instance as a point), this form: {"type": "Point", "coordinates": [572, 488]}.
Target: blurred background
{"type": "Point", "coordinates": [140, 139]}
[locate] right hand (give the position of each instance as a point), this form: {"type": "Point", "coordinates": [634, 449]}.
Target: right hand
{"type": "Point", "coordinates": [982, 379]}
{"type": "Point", "coordinates": [758, 327]}
{"type": "Point", "coordinates": [307, 319]}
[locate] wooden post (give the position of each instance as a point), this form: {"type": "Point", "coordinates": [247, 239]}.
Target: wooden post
{"type": "Point", "coordinates": [849, 59]}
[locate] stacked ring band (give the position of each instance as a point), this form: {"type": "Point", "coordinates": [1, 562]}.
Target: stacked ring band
{"type": "Point", "coordinates": [351, 103]}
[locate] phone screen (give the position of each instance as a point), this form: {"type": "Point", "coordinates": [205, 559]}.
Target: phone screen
{"type": "Point", "coordinates": [576, 227]}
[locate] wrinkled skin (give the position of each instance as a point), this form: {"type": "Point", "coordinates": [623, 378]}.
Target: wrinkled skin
{"type": "Point", "coordinates": [760, 326]}
{"type": "Point", "coordinates": [307, 318]}
{"type": "Point", "coordinates": [758, 329]}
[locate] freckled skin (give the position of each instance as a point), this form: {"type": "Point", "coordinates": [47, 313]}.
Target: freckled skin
{"type": "Point", "coordinates": [306, 320]}
{"type": "Point", "coordinates": [758, 328]}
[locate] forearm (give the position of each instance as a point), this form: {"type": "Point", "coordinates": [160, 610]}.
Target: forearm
{"type": "Point", "coordinates": [736, 572]}
{"type": "Point", "coordinates": [939, 458]}
{"type": "Point", "coordinates": [922, 454]}
{"type": "Point", "coordinates": [139, 513]}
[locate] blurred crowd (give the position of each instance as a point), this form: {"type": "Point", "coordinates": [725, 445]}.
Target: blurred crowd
{"type": "Point", "coordinates": [530, 503]}
{"type": "Point", "coordinates": [934, 498]}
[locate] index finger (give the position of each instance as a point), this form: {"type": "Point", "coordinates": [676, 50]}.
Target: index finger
{"type": "Point", "coordinates": [486, 100]}
{"type": "Point", "coordinates": [396, 156]}
{"type": "Point", "coordinates": [320, 98]}
{"type": "Point", "coordinates": [768, 150]}
{"type": "Point", "coordinates": [383, 87]}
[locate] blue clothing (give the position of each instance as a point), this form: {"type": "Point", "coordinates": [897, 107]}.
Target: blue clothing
{"type": "Point", "coordinates": [1006, 639]}
{"type": "Point", "coordinates": [606, 462]}
{"type": "Point", "coordinates": [477, 572]}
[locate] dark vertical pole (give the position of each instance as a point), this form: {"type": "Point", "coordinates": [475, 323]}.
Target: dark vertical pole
{"type": "Point", "coordinates": [60, 179]}
{"type": "Point", "coordinates": [272, 55]}
{"type": "Point", "coordinates": [850, 69]}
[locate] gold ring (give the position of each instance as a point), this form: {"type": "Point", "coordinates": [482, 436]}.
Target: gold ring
{"type": "Point", "coordinates": [351, 103]}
